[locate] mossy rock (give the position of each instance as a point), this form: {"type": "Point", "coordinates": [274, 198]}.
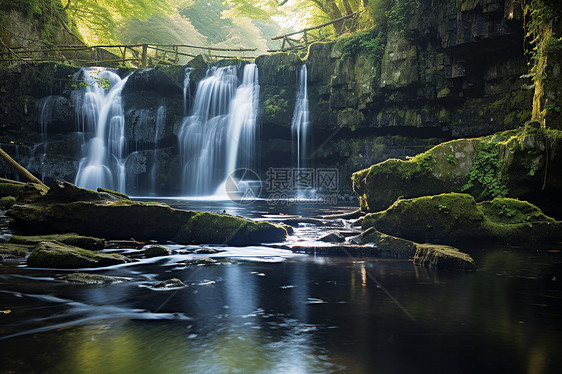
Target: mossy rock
{"type": "Point", "coordinates": [156, 251]}
{"type": "Point", "coordinates": [7, 202]}
{"type": "Point", "coordinates": [10, 189]}
{"type": "Point", "coordinates": [87, 278]}
{"type": "Point", "coordinates": [430, 255]}
{"type": "Point", "coordinates": [456, 218]}
{"type": "Point", "coordinates": [63, 256]}
{"type": "Point", "coordinates": [14, 250]}
{"type": "Point", "coordinates": [114, 193]}
{"type": "Point", "coordinates": [60, 210]}
{"type": "Point", "coordinates": [31, 192]}
{"type": "Point", "coordinates": [86, 242]}
{"type": "Point", "coordinates": [443, 257]}
{"type": "Point", "coordinates": [507, 164]}
{"type": "Point", "coordinates": [211, 228]}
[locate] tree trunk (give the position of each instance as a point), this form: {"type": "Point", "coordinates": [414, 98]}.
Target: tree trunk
{"type": "Point", "coordinates": [23, 171]}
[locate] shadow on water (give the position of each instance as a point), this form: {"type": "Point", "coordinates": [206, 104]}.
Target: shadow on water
{"type": "Point", "coordinates": [283, 313]}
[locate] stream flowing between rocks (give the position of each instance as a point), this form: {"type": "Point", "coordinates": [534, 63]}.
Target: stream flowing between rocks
{"type": "Point", "coordinates": [265, 309]}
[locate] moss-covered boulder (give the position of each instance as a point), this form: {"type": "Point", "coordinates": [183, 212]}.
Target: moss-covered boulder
{"type": "Point", "coordinates": [156, 251]}
{"type": "Point", "coordinates": [63, 256]}
{"type": "Point", "coordinates": [430, 255]}
{"type": "Point", "coordinates": [456, 218]}
{"type": "Point", "coordinates": [221, 228]}
{"type": "Point", "coordinates": [8, 193]}
{"type": "Point", "coordinates": [523, 163]}
{"type": "Point", "coordinates": [67, 208]}
{"type": "Point", "coordinates": [86, 242]}
{"type": "Point", "coordinates": [12, 250]}
{"type": "Point", "coordinates": [443, 257]}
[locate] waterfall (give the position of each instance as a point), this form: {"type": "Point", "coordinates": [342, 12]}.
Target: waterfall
{"type": "Point", "coordinates": [219, 135]}
{"type": "Point", "coordinates": [160, 122]}
{"type": "Point", "coordinates": [301, 120]}
{"type": "Point", "coordinates": [101, 124]}
{"type": "Point", "coordinates": [186, 91]}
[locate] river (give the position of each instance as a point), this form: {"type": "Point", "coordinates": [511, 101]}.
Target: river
{"type": "Point", "coordinates": [267, 310]}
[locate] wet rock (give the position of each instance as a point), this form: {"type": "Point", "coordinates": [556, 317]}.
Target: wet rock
{"type": "Point", "coordinates": [431, 255]}
{"type": "Point", "coordinates": [456, 218]}
{"type": "Point", "coordinates": [67, 208]}
{"type": "Point", "coordinates": [170, 283]}
{"type": "Point", "coordinates": [207, 251]}
{"type": "Point", "coordinates": [155, 251]}
{"type": "Point", "coordinates": [334, 237]}
{"type": "Point", "coordinates": [443, 257]}
{"type": "Point", "coordinates": [88, 278]}
{"type": "Point", "coordinates": [203, 227]}
{"type": "Point", "coordinates": [86, 242]}
{"type": "Point", "coordinates": [13, 251]}
{"type": "Point", "coordinates": [63, 256]}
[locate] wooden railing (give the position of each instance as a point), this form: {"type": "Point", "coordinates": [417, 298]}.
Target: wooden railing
{"type": "Point", "coordinates": [295, 45]}
{"type": "Point", "coordinates": [140, 55]}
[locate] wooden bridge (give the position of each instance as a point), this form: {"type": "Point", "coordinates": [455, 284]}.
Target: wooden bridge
{"type": "Point", "coordinates": [147, 55]}
{"type": "Point", "coordinates": [289, 44]}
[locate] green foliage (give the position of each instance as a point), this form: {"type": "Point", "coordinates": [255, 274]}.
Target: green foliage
{"type": "Point", "coordinates": [452, 159]}
{"type": "Point", "coordinates": [392, 14]}
{"type": "Point", "coordinates": [484, 172]}
{"type": "Point", "coordinates": [373, 41]}
{"type": "Point", "coordinates": [99, 81]}
{"type": "Point", "coordinates": [98, 20]}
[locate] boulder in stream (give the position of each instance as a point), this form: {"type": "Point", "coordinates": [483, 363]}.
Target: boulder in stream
{"type": "Point", "coordinates": [63, 256]}
{"type": "Point", "coordinates": [67, 208]}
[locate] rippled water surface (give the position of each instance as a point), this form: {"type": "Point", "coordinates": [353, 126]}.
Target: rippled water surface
{"type": "Point", "coordinates": [267, 310]}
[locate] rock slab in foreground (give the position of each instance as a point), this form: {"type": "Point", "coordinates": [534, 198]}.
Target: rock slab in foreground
{"type": "Point", "coordinates": [67, 208]}
{"type": "Point", "coordinates": [63, 256]}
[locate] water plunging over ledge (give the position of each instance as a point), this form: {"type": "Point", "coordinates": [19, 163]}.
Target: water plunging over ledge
{"type": "Point", "coordinates": [101, 125]}
{"type": "Point", "coordinates": [219, 135]}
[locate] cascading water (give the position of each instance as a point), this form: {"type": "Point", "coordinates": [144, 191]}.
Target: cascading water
{"type": "Point", "coordinates": [219, 136]}
{"type": "Point", "coordinates": [160, 122]}
{"type": "Point", "coordinates": [301, 120]}
{"type": "Point", "coordinates": [101, 123]}
{"type": "Point", "coordinates": [186, 91]}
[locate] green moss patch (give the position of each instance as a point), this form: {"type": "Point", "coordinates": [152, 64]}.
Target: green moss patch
{"type": "Point", "coordinates": [86, 242]}
{"type": "Point", "coordinates": [455, 218]}
{"type": "Point", "coordinates": [214, 228]}
{"type": "Point", "coordinates": [59, 255]}
{"type": "Point", "coordinates": [14, 250]}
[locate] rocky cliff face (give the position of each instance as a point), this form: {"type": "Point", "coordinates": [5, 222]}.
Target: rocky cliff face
{"type": "Point", "coordinates": [451, 71]}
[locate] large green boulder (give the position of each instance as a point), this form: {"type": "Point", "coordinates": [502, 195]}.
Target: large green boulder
{"type": "Point", "coordinates": [63, 256]}
{"type": "Point", "coordinates": [524, 163]}
{"type": "Point", "coordinates": [456, 218]}
{"type": "Point", "coordinates": [67, 208]}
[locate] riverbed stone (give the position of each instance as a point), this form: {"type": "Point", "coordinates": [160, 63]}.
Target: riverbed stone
{"type": "Point", "coordinates": [333, 237]}
{"type": "Point", "coordinates": [156, 251]}
{"type": "Point", "coordinates": [86, 242]}
{"type": "Point", "coordinates": [63, 256]}
{"type": "Point", "coordinates": [12, 250]}
{"type": "Point", "coordinates": [88, 278]}
{"type": "Point", "coordinates": [430, 255]}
